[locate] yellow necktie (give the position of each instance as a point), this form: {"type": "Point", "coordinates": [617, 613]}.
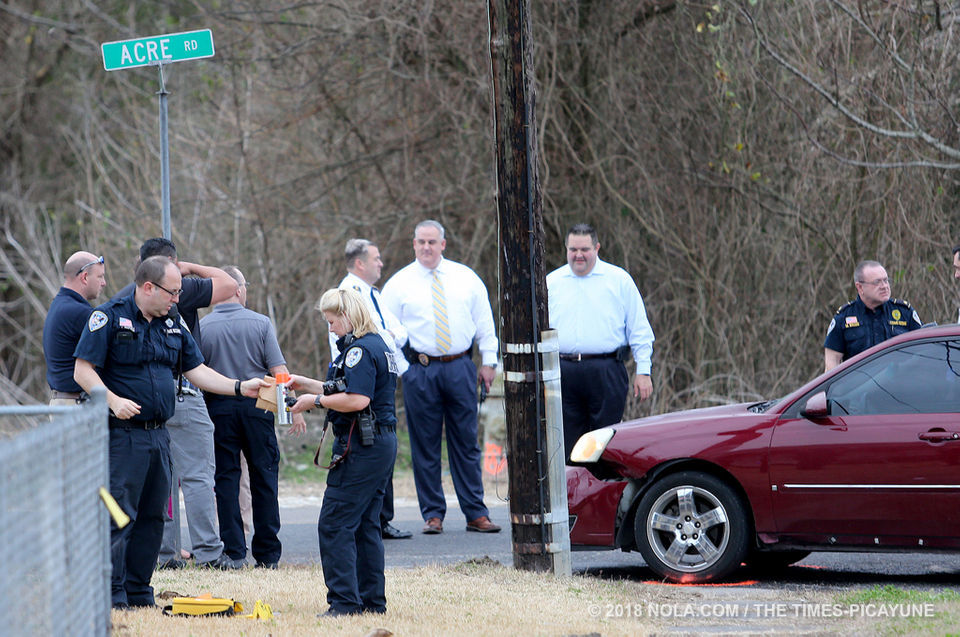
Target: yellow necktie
{"type": "Point", "coordinates": [441, 324]}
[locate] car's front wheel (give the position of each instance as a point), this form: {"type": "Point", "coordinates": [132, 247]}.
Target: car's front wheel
{"type": "Point", "coordinates": [691, 527]}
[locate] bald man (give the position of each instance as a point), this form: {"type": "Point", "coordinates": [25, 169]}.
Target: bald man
{"type": "Point", "coordinates": [84, 277]}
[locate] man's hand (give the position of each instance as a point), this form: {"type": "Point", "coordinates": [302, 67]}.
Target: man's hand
{"type": "Point", "coordinates": [642, 386]}
{"type": "Point", "coordinates": [251, 387]}
{"type": "Point", "coordinates": [122, 408]}
{"type": "Point", "coordinates": [487, 374]}
{"type": "Point", "coordinates": [299, 425]}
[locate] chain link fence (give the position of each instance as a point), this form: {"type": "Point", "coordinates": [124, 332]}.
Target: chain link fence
{"type": "Point", "coordinates": [54, 530]}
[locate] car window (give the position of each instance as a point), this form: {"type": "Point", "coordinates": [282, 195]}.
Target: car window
{"type": "Point", "coordinates": [921, 378]}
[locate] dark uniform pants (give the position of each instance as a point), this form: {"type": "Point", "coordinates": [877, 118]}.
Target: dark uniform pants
{"type": "Point", "coordinates": [140, 483]}
{"type": "Point", "coordinates": [240, 426]}
{"type": "Point", "coordinates": [438, 395]}
{"type": "Point", "coordinates": [594, 396]}
{"type": "Point", "coordinates": [351, 547]}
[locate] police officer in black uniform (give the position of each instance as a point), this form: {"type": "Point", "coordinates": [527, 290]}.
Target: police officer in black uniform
{"type": "Point", "coordinates": [359, 398]}
{"type": "Point", "coordinates": [871, 318]}
{"type": "Point", "coordinates": [131, 345]}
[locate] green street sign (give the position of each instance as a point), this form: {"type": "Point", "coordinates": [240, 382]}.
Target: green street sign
{"type": "Point", "coordinates": [174, 47]}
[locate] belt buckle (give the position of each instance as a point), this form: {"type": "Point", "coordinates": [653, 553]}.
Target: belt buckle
{"type": "Point", "coordinates": [579, 357]}
{"type": "Point", "coordinates": [423, 359]}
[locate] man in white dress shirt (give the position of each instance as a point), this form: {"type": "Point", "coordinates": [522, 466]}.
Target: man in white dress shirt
{"type": "Point", "coordinates": [599, 316]}
{"type": "Point", "coordinates": [445, 308]}
{"type": "Point", "coordinates": [363, 270]}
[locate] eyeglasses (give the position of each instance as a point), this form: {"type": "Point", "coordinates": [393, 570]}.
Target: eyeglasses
{"type": "Point", "coordinates": [173, 293]}
{"type": "Point", "coordinates": [94, 262]}
{"type": "Point", "coordinates": [878, 282]}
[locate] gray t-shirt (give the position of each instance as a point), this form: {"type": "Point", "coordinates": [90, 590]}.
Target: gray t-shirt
{"type": "Point", "coordinates": [239, 343]}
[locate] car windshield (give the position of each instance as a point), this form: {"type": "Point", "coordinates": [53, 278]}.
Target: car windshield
{"type": "Point", "coordinates": [759, 408]}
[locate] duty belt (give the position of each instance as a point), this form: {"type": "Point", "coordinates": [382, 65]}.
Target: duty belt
{"type": "Point", "coordinates": [426, 359]}
{"type": "Point", "coordinates": [583, 357]}
{"type": "Point", "coordinates": [116, 423]}
{"type": "Point", "coordinates": [64, 395]}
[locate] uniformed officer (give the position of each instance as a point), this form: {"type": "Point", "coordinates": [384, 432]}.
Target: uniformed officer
{"type": "Point", "coordinates": [363, 271]}
{"type": "Point", "coordinates": [83, 280]}
{"type": "Point", "coordinates": [131, 345]}
{"type": "Point", "coordinates": [364, 422]}
{"type": "Point", "coordinates": [190, 428]}
{"type": "Point", "coordinates": [871, 318]}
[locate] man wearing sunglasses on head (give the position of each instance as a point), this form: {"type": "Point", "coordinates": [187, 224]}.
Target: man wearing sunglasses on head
{"type": "Point", "coordinates": [83, 281]}
{"type": "Point", "coordinates": [871, 318]}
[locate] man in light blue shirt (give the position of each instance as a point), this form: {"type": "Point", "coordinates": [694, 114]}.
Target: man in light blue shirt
{"type": "Point", "coordinates": [599, 316]}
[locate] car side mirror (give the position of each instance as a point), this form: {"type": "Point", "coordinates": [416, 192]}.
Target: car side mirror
{"type": "Point", "coordinates": [816, 406]}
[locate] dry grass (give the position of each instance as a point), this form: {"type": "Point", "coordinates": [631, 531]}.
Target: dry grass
{"type": "Point", "coordinates": [474, 598]}
{"type": "Point", "coordinates": [469, 598]}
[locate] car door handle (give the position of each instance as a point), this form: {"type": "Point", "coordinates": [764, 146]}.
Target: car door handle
{"type": "Point", "coordinates": [940, 436]}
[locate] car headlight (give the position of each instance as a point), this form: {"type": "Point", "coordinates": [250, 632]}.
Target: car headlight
{"type": "Point", "coordinates": [591, 445]}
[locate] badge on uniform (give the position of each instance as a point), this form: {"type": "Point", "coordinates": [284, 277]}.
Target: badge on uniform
{"type": "Point", "coordinates": [851, 321]}
{"type": "Point", "coordinates": [168, 322]}
{"type": "Point", "coordinates": [353, 356]}
{"type": "Point", "coordinates": [357, 288]}
{"type": "Point", "coordinates": [97, 320]}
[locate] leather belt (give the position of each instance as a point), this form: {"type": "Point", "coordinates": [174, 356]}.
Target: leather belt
{"type": "Point", "coordinates": [64, 395]}
{"type": "Point", "coordinates": [426, 359]}
{"type": "Point", "coordinates": [338, 431]}
{"type": "Point", "coordinates": [116, 423]}
{"type": "Point", "coordinates": [576, 358]}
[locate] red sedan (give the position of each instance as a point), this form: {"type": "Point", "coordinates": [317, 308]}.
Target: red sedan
{"type": "Point", "coordinates": [863, 458]}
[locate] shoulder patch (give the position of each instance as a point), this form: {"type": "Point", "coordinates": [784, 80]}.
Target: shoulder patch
{"type": "Point", "coordinates": [902, 302]}
{"type": "Point", "coordinates": [97, 320]}
{"type": "Point", "coordinates": [354, 354]}
{"type": "Point", "coordinates": [833, 324]}
{"type": "Point", "coordinates": [845, 306]}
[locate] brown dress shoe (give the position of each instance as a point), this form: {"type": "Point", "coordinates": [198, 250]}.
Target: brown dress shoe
{"type": "Point", "coordinates": [433, 526]}
{"type": "Point", "coordinates": [483, 525]}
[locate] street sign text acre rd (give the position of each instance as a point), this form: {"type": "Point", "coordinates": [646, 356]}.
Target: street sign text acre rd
{"type": "Point", "coordinates": [174, 47]}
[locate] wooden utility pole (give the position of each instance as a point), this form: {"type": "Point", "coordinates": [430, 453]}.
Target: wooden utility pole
{"type": "Point", "coordinates": [538, 522]}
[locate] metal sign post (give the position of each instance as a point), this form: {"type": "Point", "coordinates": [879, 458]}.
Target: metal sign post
{"type": "Point", "coordinates": [159, 50]}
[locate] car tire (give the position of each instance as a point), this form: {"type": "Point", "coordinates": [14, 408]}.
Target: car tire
{"type": "Point", "coordinates": [773, 561]}
{"type": "Point", "coordinates": [692, 527]}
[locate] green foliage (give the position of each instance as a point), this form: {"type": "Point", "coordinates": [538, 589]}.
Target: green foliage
{"type": "Point", "coordinates": [889, 594]}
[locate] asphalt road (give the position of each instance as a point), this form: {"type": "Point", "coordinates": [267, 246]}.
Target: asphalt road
{"type": "Point", "coordinates": [299, 536]}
